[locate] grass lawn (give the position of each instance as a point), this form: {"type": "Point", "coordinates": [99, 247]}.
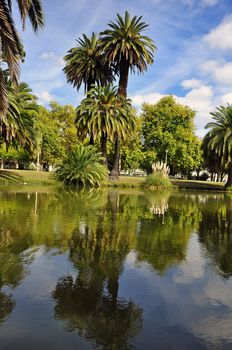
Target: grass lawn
{"type": "Point", "coordinates": [30, 177]}
{"type": "Point", "coordinates": [135, 182]}
{"type": "Point", "coordinates": [198, 185]}
{"type": "Point", "coordinates": [127, 181]}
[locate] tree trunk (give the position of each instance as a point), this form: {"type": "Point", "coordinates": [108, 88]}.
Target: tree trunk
{"type": "Point", "coordinates": [37, 163]}
{"type": "Point", "coordinates": [122, 91]}
{"type": "Point", "coordinates": [115, 170]}
{"type": "Point", "coordinates": [103, 148]}
{"type": "Point", "coordinates": [123, 77]}
{"type": "Point", "coordinates": [229, 181]}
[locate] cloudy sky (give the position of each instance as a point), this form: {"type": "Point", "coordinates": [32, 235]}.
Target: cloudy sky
{"type": "Point", "coordinates": [193, 61]}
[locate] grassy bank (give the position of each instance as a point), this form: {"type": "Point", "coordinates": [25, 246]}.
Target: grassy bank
{"type": "Point", "coordinates": [30, 177]}
{"type": "Point", "coordinates": [135, 182]}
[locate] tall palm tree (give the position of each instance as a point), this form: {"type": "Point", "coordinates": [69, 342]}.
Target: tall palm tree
{"type": "Point", "coordinates": [11, 48]}
{"type": "Point", "coordinates": [85, 64]}
{"type": "Point", "coordinates": [125, 46]}
{"type": "Point", "coordinates": [219, 138]}
{"type": "Point", "coordinates": [103, 113]}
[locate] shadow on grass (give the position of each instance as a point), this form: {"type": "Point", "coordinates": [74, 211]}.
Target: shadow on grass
{"type": "Point", "coordinates": [9, 177]}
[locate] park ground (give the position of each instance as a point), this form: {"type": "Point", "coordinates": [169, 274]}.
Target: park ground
{"type": "Point", "coordinates": [30, 177]}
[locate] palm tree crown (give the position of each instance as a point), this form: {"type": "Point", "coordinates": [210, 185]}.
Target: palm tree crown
{"type": "Point", "coordinates": [11, 48]}
{"type": "Point", "coordinates": [219, 138]}
{"type": "Point", "coordinates": [103, 113]}
{"type": "Point", "coordinates": [85, 64]}
{"type": "Point", "coordinates": [220, 135]}
{"type": "Point", "coordinates": [124, 44]}
{"type": "Point", "coordinates": [18, 125]}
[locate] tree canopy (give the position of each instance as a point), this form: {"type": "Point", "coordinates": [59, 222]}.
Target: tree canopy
{"type": "Point", "coordinates": [168, 129]}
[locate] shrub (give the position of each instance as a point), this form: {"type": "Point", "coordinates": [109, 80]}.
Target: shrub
{"type": "Point", "coordinates": [157, 181]}
{"type": "Point", "coordinates": [82, 168]}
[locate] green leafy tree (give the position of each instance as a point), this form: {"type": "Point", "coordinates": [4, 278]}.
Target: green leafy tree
{"type": "Point", "coordinates": [50, 148]}
{"type": "Point", "coordinates": [132, 157]}
{"type": "Point", "coordinates": [219, 138]}
{"type": "Point", "coordinates": [127, 48]}
{"type": "Point", "coordinates": [11, 47]}
{"type": "Point", "coordinates": [168, 129]}
{"type": "Point", "coordinates": [103, 114]}
{"type": "Point", "coordinates": [64, 118]}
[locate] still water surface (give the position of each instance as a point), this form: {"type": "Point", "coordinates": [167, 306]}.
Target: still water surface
{"type": "Point", "coordinates": [115, 270]}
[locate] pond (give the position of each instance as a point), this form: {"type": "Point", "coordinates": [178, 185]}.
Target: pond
{"type": "Point", "coordinates": [115, 270]}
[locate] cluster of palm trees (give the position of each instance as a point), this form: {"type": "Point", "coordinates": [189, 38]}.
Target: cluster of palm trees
{"type": "Point", "coordinates": [95, 63]}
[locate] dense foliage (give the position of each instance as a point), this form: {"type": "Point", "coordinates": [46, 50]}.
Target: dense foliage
{"type": "Point", "coordinates": [168, 128]}
{"type": "Point", "coordinates": [82, 167]}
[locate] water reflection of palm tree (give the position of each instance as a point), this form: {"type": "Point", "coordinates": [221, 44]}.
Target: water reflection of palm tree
{"type": "Point", "coordinates": [89, 303]}
{"type": "Point", "coordinates": [215, 232]}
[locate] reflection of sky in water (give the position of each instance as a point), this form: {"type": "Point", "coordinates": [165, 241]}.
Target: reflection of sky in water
{"type": "Point", "coordinates": [190, 297]}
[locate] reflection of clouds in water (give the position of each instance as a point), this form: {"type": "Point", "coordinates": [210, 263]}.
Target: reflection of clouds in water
{"type": "Point", "coordinates": [215, 329]}
{"type": "Point", "coordinates": [193, 267]}
{"type": "Point", "coordinates": [191, 297]}
{"type": "Point", "coordinates": [131, 259]}
{"type": "Point", "coordinates": [218, 293]}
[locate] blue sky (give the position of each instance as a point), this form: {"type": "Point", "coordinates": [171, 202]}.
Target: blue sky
{"type": "Point", "coordinates": [193, 61]}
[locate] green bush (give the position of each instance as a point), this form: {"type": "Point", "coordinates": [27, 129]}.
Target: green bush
{"type": "Point", "coordinates": [82, 168]}
{"type": "Point", "coordinates": [157, 181]}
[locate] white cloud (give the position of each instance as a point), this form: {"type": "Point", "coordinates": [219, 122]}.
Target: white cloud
{"type": "Point", "coordinates": [221, 71]}
{"type": "Point", "coordinates": [207, 3]}
{"type": "Point", "coordinates": [227, 98]}
{"type": "Point", "coordinates": [201, 99]}
{"type": "Point", "coordinates": [138, 100]}
{"type": "Point", "coordinates": [201, 3]}
{"type": "Point", "coordinates": [220, 37]}
{"type": "Point", "coordinates": [191, 83]}
{"type": "Point", "coordinates": [45, 97]}
{"type": "Point", "coordinates": [51, 56]}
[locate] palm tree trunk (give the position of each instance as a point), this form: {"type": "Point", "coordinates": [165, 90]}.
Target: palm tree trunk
{"type": "Point", "coordinates": [123, 78]}
{"type": "Point", "coordinates": [103, 148]}
{"type": "Point", "coordinates": [229, 181]}
{"type": "Point", "coordinates": [115, 170]}
{"type": "Point", "coordinates": [122, 91]}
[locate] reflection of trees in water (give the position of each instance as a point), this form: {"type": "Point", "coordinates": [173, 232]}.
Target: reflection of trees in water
{"type": "Point", "coordinates": [7, 305]}
{"type": "Point", "coordinates": [99, 229]}
{"type": "Point", "coordinates": [109, 323]}
{"type": "Point", "coordinates": [90, 303]}
{"type": "Point", "coordinates": [163, 239]}
{"type": "Point", "coordinates": [12, 271]}
{"type": "Point", "coordinates": [215, 232]}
